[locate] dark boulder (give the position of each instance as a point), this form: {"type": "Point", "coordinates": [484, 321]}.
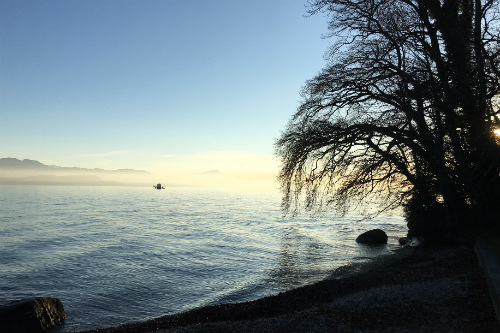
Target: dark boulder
{"type": "Point", "coordinates": [31, 315]}
{"type": "Point", "coordinates": [375, 236]}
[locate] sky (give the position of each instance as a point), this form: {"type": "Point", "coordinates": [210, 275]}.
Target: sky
{"type": "Point", "coordinates": [168, 86]}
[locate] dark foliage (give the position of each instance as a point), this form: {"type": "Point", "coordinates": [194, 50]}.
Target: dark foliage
{"type": "Point", "coordinates": [404, 114]}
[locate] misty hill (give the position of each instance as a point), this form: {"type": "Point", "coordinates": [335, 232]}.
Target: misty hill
{"type": "Point", "coordinates": [14, 163]}
{"type": "Point", "coordinates": [30, 172]}
{"type": "Point", "coordinates": [17, 164]}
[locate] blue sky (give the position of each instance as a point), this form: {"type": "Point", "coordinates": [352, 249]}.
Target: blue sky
{"type": "Point", "coordinates": [156, 85]}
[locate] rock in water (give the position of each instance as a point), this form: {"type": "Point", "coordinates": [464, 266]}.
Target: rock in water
{"type": "Point", "coordinates": [375, 236]}
{"type": "Point", "coordinates": [31, 315]}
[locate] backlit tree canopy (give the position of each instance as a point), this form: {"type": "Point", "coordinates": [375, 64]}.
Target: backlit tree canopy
{"type": "Point", "coordinates": [405, 112]}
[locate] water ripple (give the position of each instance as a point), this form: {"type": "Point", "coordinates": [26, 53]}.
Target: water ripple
{"type": "Point", "coordinates": [115, 255]}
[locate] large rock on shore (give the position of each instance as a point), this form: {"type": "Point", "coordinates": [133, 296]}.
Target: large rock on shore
{"type": "Point", "coordinates": [375, 236]}
{"type": "Point", "coordinates": [31, 315]}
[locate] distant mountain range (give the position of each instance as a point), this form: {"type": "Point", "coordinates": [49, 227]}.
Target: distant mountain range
{"type": "Point", "coordinates": [14, 171]}
{"type": "Point", "coordinates": [17, 164]}
{"type": "Point", "coordinates": [14, 163]}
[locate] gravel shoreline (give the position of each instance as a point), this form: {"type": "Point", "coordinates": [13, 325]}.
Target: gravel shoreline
{"type": "Point", "coordinates": [424, 289]}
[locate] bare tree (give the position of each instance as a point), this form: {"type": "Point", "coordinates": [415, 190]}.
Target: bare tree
{"type": "Point", "coordinates": [403, 113]}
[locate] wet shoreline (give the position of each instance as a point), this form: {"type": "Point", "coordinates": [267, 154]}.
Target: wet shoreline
{"type": "Point", "coordinates": [413, 290]}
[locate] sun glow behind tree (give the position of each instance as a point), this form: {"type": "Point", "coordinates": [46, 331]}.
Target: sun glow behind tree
{"type": "Point", "coordinates": [403, 113]}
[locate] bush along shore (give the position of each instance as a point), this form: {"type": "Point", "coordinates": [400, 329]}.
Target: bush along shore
{"type": "Point", "coordinates": [416, 289]}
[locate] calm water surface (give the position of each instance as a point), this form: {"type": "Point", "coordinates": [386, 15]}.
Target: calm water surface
{"type": "Point", "coordinates": [114, 255]}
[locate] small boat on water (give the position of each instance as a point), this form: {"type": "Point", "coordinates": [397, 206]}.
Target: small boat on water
{"type": "Point", "coordinates": [159, 187]}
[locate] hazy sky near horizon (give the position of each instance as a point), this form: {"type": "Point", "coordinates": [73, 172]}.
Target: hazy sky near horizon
{"type": "Point", "coordinates": [154, 84]}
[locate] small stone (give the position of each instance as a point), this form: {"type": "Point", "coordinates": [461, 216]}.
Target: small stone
{"type": "Point", "coordinates": [375, 236]}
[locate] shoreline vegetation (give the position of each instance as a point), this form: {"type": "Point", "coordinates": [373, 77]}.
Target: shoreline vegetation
{"type": "Point", "coordinates": [415, 289]}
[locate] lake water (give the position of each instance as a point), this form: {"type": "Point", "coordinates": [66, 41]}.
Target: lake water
{"type": "Point", "coordinates": [114, 255]}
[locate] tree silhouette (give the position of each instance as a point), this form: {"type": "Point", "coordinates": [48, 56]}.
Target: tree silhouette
{"type": "Point", "coordinates": [403, 113]}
